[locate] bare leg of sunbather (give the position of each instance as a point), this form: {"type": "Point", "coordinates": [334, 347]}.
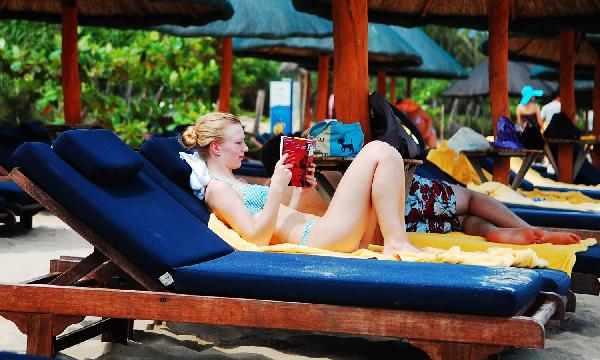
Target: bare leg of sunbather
{"type": "Point", "coordinates": [374, 180]}
{"type": "Point", "coordinates": [482, 215]}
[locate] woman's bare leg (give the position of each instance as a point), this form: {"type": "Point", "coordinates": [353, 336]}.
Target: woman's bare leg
{"type": "Point", "coordinates": [487, 217]}
{"type": "Point", "coordinates": [374, 181]}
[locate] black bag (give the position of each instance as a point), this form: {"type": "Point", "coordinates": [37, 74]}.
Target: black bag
{"type": "Point", "coordinates": [391, 125]}
{"type": "Point", "coordinates": [561, 127]}
{"type": "Point", "coordinates": [531, 138]}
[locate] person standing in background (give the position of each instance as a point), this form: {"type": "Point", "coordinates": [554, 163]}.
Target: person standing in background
{"type": "Point", "coordinates": [528, 110]}
{"type": "Point", "coordinates": [551, 108]}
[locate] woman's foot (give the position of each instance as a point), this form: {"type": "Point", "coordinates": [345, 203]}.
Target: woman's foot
{"type": "Point", "coordinates": [399, 245]}
{"type": "Point", "coordinates": [517, 236]}
{"type": "Point", "coordinates": [560, 238]}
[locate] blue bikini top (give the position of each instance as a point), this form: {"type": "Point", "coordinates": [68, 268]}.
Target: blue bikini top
{"type": "Point", "coordinates": [255, 196]}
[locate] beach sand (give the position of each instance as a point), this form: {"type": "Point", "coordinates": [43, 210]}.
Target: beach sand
{"type": "Point", "coordinates": [24, 256]}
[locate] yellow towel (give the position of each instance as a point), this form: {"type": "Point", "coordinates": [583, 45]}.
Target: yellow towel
{"type": "Point", "coordinates": [453, 164]}
{"type": "Point", "coordinates": [455, 248]}
{"type": "Point", "coordinates": [574, 197]}
{"type": "Point", "coordinates": [507, 195]}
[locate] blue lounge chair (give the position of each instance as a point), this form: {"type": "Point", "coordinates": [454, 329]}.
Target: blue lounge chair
{"type": "Point", "coordinates": [186, 273]}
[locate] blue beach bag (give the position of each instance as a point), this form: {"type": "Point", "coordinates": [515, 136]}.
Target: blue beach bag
{"type": "Point", "coordinates": [334, 138]}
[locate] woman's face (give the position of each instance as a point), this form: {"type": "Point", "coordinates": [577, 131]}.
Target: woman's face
{"type": "Point", "coordinates": [233, 147]}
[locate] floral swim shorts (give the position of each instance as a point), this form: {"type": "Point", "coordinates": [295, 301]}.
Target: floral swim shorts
{"type": "Point", "coordinates": [431, 207]}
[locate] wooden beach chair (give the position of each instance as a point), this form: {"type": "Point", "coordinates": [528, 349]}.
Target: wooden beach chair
{"type": "Point", "coordinates": [154, 259]}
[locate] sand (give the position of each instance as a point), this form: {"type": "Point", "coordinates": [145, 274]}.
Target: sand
{"type": "Point", "coordinates": [27, 255]}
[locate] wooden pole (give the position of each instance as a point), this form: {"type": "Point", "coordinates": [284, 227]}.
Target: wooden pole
{"type": "Point", "coordinates": [567, 73]}
{"type": "Point", "coordinates": [596, 108]}
{"type": "Point", "coordinates": [393, 89]}
{"type": "Point", "coordinates": [498, 12]}
{"type": "Point", "coordinates": [350, 62]}
{"type": "Point", "coordinates": [596, 98]}
{"type": "Point", "coordinates": [322, 88]}
{"type": "Point", "coordinates": [381, 88]}
{"type": "Point", "coordinates": [408, 91]}
{"type": "Point", "coordinates": [70, 68]}
{"type": "Point", "coordinates": [226, 75]}
{"type": "Point", "coordinates": [307, 102]}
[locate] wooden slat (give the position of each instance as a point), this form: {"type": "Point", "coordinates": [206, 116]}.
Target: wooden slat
{"type": "Point", "coordinates": [40, 340]}
{"type": "Point", "coordinates": [81, 269]}
{"type": "Point", "coordinates": [85, 333]}
{"type": "Point", "coordinates": [516, 331]}
{"type": "Point", "coordinates": [585, 284]}
{"type": "Point", "coordinates": [82, 229]}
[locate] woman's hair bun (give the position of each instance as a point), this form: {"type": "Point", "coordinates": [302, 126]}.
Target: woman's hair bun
{"type": "Point", "coordinates": [189, 138]}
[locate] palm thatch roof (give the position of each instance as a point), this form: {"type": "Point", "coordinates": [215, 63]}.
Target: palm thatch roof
{"type": "Point", "coordinates": [273, 19]}
{"type": "Point", "coordinates": [546, 50]}
{"type": "Point", "coordinates": [385, 47]}
{"type": "Point", "coordinates": [525, 14]}
{"type": "Point", "coordinates": [121, 13]}
{"type": "Point", "coordinates": [478, 82]}
{"type": "Point", "coordinates": [437, 63]}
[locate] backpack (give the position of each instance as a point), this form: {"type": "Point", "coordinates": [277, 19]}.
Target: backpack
{"type": "Point", "coordinates": [561, 127]}
{"type": "Point", "coordinates": [391, 125]}
{"type": "Point", "coordinates": [507, 137]}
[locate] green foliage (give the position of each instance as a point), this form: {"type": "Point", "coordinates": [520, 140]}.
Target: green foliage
{"type": "Point", "coordinates": [131, 81]}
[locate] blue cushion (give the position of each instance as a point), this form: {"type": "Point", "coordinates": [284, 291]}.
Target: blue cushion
{"type": "Point", "coordinates": [3, 203]}
{"type": "Point", "coordinates": [98, 154]}
{"type": "Point", "coordinates": [374, 283]}
{"type": "Point", "coordinates": [164, 154]}
{"type": "Point", "coordinates": [13, 356]}
{"type": "Point", "coordinates": [557, 218]}
{"type": "Point", "coordinates": [555, 281]}
{"type": "Point", "coordinates": [183, 196]}
{"type": "Point", "coordinates": [14, 194]}
{"type": "Point", "coordinates": [137, 216]}
{"type": "Point", "coordinates": [588, 262]}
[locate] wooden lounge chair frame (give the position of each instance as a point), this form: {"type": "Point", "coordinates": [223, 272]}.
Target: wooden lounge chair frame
{"type": "Point", "coordinates": [42, 308]}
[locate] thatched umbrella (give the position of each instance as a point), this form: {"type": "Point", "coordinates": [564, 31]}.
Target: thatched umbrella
{"type": "Point", "coordinates": [524, 15]}
{"type": "Point", "coordinates": [542, 72]}
{"type": "Point", "coordinates": [386, 48]}
{"type": "Point", "coordinates": [273, 19]}
{"type": "Point", "coordinates": [477, 84]}
{"type": "Point", "coordinates": [437, 63]}
{"type": "Point", "coordinates": [109, 13]}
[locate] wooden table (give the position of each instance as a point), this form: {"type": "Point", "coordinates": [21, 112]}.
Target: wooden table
{"type": "Point", "coordinates": [475, 157]}
{"type": "Point", "coordinates": [326, 190]}
{"type": "Point", "coordinates": [566, 170]}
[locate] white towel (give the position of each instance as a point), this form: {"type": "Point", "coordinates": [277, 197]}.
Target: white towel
{"type": "Point", "coordinates": [199, 177]}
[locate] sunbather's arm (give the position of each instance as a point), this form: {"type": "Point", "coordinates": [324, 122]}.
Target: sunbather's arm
{"type": "Point", "coordinates": [298, 193]}
{"type": "Point", "coordinates": [228, 206]}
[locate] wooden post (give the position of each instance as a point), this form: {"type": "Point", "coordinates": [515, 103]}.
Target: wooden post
{"type": "Point", "coordinates": [258, 110]}
{"type": "Point", "coordinates": [350, 62]}
{"type": "Point", "coordinates": [307, 102]}
{"type": "Point", "coordinates": [596, 108]}
{"type": "Point", "coordinates": [565, 162]}
{"type": "Point", "coordinates": [567, 73]}
{"type": "Point", "coordinates": [381, 88]}
{"type": "Point", "coordinates": [70, 64]}
{"type": "Point", "coordinates": [226, 75]}
{"type": "Point", "coordinates": [408, 91]}
{"type": "Point", "coordinates": [393, 89]}
{"type": "Point", "coordinates": [498, 11]}
{"type": "Point", "coordinates": [322, 88]}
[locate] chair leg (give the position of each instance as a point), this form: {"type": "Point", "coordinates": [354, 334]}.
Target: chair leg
{"type": "Point", "coordinates": [120, 332]}
{"type": "Point", "coordinates": [26, 220]}
{"type": "Point", "coordinates": [40, 337]}
{"type": "Point", "coordinates": [439, 350]}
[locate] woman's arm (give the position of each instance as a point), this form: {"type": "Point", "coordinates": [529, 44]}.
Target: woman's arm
{"type": "Point", "coordinates": [228, 206]}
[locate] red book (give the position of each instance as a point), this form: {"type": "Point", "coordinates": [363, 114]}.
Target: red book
{"type": "Point", "coordinates": [301, 153]}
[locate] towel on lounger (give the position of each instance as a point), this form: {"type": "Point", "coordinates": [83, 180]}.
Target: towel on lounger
{"type": "Point", "coordinates": [455, 248]}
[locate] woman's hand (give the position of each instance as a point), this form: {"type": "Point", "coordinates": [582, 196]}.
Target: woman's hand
{"type": "Point", "coordinates": [282, 174]}
{"type": "Point", "coordinates": [311, 180]}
